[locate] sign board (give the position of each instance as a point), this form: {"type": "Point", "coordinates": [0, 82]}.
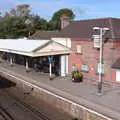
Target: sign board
{"type": "Point", "coordinates": [102, 68]}
{"type": "Point", "coordinates": [50, 59]}
{"type": "Point", "coordinates": [96, 41]}
{"type": "Point", "coordinates": [84, 68]}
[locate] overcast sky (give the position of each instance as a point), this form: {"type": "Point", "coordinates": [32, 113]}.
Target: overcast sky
{"type": "Point", "coordinates": [83, 9]}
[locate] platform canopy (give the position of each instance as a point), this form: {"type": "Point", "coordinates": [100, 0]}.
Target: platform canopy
{"type": "Point", "coordinates": [33, 48]}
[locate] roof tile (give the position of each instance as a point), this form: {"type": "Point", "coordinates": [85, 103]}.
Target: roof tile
{"type": "Point", "coordinates": [84, 28]}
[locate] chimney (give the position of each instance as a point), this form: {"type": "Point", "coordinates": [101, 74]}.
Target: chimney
{"type": "Point", "coordinates": [65, 20]}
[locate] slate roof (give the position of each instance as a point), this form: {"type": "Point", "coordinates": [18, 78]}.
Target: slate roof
{"type": "Point", "coordinates": [46, 35]}
{"type": "Point", "coordinates": [84, 28]}
{"type": "Point", "coordinates": [116, 65]}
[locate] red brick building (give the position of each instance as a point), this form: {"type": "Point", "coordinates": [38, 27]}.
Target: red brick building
{"type": "Point", "coordinates": [85, 55]}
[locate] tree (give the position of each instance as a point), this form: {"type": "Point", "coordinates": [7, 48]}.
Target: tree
{"type": "Point", "coordinates": [13, 27]}
{"type": "Point", "coordinates": [57, 15]}
{"type": "Point", "coordinates": [13, 24]}
{"type": "Point", "coordinates": [18, 22]}
{"type": "Point", "coordinates": [39, 23]}
{"type": "Point", "coordinates": [20, 11]}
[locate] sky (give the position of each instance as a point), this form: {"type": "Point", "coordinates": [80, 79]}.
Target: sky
{"type": "Point", "coordinates": [83, 9]}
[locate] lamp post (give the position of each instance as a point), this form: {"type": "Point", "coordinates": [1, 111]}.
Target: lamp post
{"type": "Point", "coordinates": [102, 32]}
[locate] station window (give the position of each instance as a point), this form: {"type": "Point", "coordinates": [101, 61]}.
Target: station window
{"type": "Point", "coordinates": [79, 49]}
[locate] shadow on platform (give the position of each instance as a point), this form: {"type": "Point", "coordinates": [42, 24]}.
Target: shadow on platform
{"type": "Point", "coordinates": [4, 83]}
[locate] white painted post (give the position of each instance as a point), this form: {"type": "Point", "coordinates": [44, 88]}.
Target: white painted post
{"type": "Point", "coordinates": [101, 61]}
{"type": "Point", "coordinates": [27, 66]}
{"type": "Point", "coordinates": [11, 61]}
{"type": "Point", "coordinates": [63, 66]}
{"type": "Point", "coordinates": [50, 66]}
{"type": "Point", "coordinates": [66, 64]}
{"type": "Point", "coordinates": [50, 70]}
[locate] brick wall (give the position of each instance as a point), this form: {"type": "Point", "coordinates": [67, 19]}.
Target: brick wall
{"type": "Point", "coordinates": [90, 57]}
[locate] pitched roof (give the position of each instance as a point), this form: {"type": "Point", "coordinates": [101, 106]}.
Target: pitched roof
{"type": "Point", "coordinates": [33, 48]}
{"type": "Point", "coordinates": [116, 28]}
{"type": "Point", "coordinates": [84, 28]}
{"type": "Point", "coordinates": [22, 45]}
{"type": "Point", "coordinates": [46, 35]}
{"type": "Point", "coordinates": [116, 65]}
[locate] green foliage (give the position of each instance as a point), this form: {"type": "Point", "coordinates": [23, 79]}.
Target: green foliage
{"type": "Point", "coordinates": [13, 27]}
{"type": "Point", "coordinates": [53, 25]}
{"type": "Point", "coordinates": [18, 22]}
{"type": "Point", "coordinates": [16, 25]}
{"type": "Point", "coordinates": [77, 75]}
{"type": "Point", "coordinates": [64, 11]}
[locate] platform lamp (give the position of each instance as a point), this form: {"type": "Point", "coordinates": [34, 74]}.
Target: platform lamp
{"type": "Point", "coordinates": [102, 32]}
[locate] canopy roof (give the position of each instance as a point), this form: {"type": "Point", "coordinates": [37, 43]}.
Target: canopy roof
{"type": "Point", "coordinates": [21, 44]}
{"type": "Point", "coordinates": [33, 48]}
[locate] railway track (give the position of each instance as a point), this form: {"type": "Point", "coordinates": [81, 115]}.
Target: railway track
{"type": "Point", "coordinates": [5, 115]}
{"type": "Point", "coordinates": [18, 101]}
{"type": "Point", "coordinates": [40, 114]}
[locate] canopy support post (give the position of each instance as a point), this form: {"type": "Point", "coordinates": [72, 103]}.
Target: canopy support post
{"type": "Point", "coordinates": [11, 61]}
{"type": "Point", "coordinates": [50, 58]}
{"type": "Point", "coordinates": [27, 65]}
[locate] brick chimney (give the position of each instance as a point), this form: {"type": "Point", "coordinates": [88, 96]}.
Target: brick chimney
{"type": "Point", "coordinates": [65, 20]}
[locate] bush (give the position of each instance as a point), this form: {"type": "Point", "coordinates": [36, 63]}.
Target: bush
{"type": "Point", "coordinates": [77, 76]}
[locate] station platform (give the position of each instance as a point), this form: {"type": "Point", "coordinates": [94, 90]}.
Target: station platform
{"type": "Point", "coordinates": [84, 93]}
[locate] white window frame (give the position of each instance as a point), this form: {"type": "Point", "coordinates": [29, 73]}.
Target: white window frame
{"type": "Point", "coordinates": [79, 48]}
{"type": "Point", "coordinates": [96, 39]}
